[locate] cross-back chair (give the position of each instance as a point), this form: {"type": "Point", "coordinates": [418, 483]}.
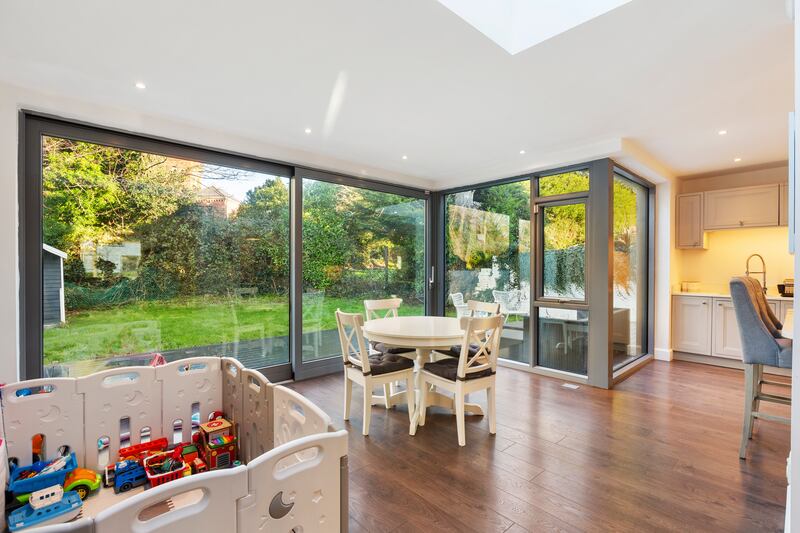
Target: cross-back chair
{"type": "Point", "coordinates": [477, 308]}
{"type": "Point", "coordinates": [385, 308]}
{"type": "Point", "coordinates": [369, 370]}
{"type": "Point", "coordinates": [474, 309]}
{"type": "Point", "coordinates": [474, 370]}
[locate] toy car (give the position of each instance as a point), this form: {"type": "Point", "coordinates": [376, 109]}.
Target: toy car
{"type": "Point", "coordinates": [41, 475]}
{"type": "Point", "coordinates": [83, 481]}
{"type": "Point", "coordinates": [126, 475]}
{"type": "Point", "coordinates": [80, 480]}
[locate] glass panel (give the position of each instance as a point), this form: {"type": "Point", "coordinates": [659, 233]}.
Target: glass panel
{"type": "Point", "coordinates": [488, 258]}
{"type": "Point", "coordinates": [564, 254]}
{"type": "Point", "coordinates": [630, 271]}
{"type": "Point", "coordinates": [563, 339]}
{"type": "Point", "coordinates": [357, 244]}
{"type": "Point", "coordinates": [564, 183]}
{"type": "Point", "coordinates": [147, 256]}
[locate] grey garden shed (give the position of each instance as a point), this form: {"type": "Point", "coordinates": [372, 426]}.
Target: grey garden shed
{"type": "Point", "coordinates": [53, 312]}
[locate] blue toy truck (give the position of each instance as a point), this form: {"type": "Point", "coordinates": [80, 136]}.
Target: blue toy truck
{"type": "Point", "coordinates": [22, 482]}
{"type": "Point", "coordinates": [125, 475]}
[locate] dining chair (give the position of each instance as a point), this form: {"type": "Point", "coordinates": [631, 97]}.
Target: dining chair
{"type": "Point", "coordinates": [386, 308]}
{"type": "Point", "coordinates": [482, 309]}
{"type": "Point", "coordinates": [369, 370]}
{"type": "Point", "coordinates": [474, 370]}
{"type": "Point", "coordinates": [762, 344]}
{"type": "Point", "coordinates": [474, 309]}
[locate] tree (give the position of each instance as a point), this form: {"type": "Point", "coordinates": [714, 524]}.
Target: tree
{"type": "Point", "coordinates": [263, 223]}
{"type": "Point", "coordinates": [102, 194]}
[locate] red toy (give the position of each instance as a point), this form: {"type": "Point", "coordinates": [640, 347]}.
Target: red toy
{"type": "Point", "coordinates": [139, 452]}
{"type": "Point", "coordinates": [217, 443]}
{"type": "Point", "coordinates": [163, 467]}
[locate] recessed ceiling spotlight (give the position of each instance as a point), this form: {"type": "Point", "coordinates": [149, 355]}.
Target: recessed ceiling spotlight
{"type": "Point", "coordinates": [308, 131]}
{"type": "Point", "coordinates": [405, 157]}
{"type": "Point", "coordinates": [522, 152]}
{"type": "Point", "coordinates": [737, 159]}
{"type": "Point", "coordinates": [140, 85]}
{"type": "Point", "coordinates": [722, 132]}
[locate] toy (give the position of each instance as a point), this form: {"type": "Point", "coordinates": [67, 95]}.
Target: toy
{"type": "Point", "coordinates": [163, 467]}
{"type": "Point", "coordinates": [125, 475]}
{"type": "Point", "coordinates": [217, 443]}
{"type": "Point", "coordinates": [138, 452]}
{"type": "Point", "coordinates": [83, 481]}
{"type": "Point", "coordinates": [50, 505]}
{"type": "Point", "coordinates": [42, 474]}
{"type": "Point", "coordinates": [191, 456]}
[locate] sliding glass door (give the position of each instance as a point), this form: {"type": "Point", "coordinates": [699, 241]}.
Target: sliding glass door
{"type": "Point", "coordinates": [146, 256]}
{"type": "Point", "coordinates": [137, 251]}
{"type": "Point", "coordinates": [487, 258]}
{"type": "Point", "coordinates": [357, 244]}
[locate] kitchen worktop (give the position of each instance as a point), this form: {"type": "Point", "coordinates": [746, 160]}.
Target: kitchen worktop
{"type": "Point", "coordinates": [770, 296]}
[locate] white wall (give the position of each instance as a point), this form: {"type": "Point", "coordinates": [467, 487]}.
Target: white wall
{"type": "Point", "coordinates": [666, 268]}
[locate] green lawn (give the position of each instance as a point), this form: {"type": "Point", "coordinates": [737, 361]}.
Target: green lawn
{"type": "Point", "coordinates": [166, 325]}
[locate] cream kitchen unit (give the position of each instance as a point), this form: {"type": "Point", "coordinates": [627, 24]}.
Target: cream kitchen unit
{"type": "Point", "coordinates": [742, 207]}
{"type": "Point", "coordinates": [705, 323]}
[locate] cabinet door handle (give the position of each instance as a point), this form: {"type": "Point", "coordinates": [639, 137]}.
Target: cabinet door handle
{"type": "Point", "coordinates": [704, 303]}
{"type": "Point", "coordinates": [741, 223]}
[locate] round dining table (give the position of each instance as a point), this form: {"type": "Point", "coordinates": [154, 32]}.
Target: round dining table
{"type": "Point", "coordinates": [424, 334]}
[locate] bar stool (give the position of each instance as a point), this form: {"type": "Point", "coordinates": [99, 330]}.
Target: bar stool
{"type": "Point", "coordinates": [762, 344]}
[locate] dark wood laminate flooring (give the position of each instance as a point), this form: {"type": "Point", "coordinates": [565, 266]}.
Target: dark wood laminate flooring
{"type": "Point", "coordinates": [658, 453]}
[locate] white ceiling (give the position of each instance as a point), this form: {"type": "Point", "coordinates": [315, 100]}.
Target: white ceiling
{"type": "Point", "coordinates": [379, 79]}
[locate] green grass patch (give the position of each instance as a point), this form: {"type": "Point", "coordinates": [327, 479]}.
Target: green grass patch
{"type": "Point", "coordinates": [172, 324]}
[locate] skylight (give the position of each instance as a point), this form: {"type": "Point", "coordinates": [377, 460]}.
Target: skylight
{"type": "Point", "coordinates": [516, 25]}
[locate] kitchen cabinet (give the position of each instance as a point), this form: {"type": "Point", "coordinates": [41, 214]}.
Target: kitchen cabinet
{"type": "Point", "coordinates": [742, 207]}
{"type": "Point", "coordinates": [784, 307]}
{"type": "Point", "coordinates": [691, 324]}
{"type": "Point", "coordinates": [783, 214]}
{"type": "Point", "coordinates": [727, 342]}
{"type": "Point", "coordinates": [689, 221]}
{"type": "Point", "coordinates": [707, 325]}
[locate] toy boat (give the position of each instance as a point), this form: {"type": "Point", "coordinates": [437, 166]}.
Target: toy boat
{"type": "Point", "coordinates": [47, 506]}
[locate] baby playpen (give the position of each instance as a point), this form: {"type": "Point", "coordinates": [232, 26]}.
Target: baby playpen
{"type": "Point", "coordinates": [294, 471]}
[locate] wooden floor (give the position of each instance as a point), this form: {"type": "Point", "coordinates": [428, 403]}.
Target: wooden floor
{"type": "Point", "coordinates": [658, 453]}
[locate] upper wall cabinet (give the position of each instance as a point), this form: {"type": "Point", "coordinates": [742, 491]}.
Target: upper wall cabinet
{"type": "Point", "coordinates": [742, 207]}
{"type": "Point", "coordinates": [690, 221]}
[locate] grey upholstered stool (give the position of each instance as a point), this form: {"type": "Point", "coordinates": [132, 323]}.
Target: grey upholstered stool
{"type": "Point", "coordinates": [762, 344]}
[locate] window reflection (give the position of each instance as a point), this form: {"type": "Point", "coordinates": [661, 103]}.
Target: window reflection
{"type": "Point", "coordinates": [488, 250]}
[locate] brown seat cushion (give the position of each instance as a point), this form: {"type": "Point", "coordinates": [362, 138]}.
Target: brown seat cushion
{"type": "Point", "coordinates": [386, 363]}
{"type": "Point", "coordinates": [455, 350]}
{"type": "Point", "coordinates": [381, 347]}
{"type": "Point", "coordinates": [448, 369]}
